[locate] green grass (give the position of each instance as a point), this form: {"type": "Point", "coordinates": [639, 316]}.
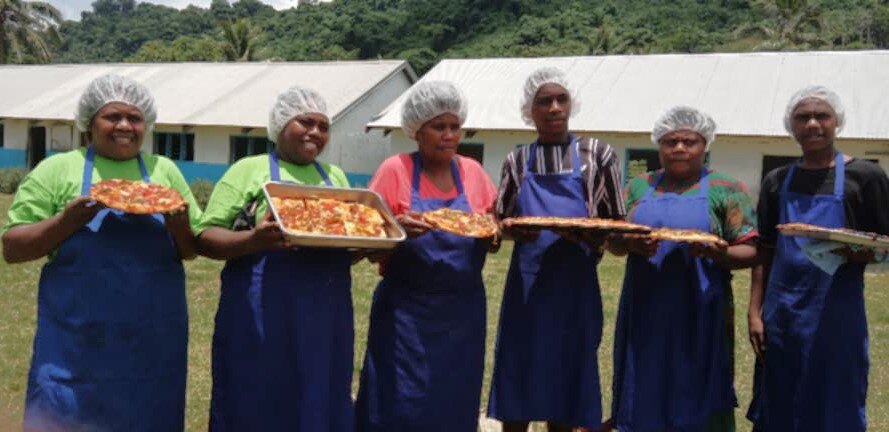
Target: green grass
{"type": "Point", "coordinates": [18, 285]}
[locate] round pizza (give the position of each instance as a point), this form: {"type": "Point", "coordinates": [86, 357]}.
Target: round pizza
{"type": "Point", "coordinates": [462, 223]}
{"type": "Point", "coordinates": [136, 197]}
{"type": "Point", "coordinates": [687, 236]}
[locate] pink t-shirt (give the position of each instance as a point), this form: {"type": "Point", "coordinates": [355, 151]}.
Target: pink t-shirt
{"type": "Point", "coordinates": [393, 182]}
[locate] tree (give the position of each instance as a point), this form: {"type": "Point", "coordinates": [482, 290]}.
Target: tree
{"type": "Point", "coordinates": [240, 40]}
{"type": "Point", "coordinates": [28, 28]}
{"type": "Point", "coordinates": [791, 24]}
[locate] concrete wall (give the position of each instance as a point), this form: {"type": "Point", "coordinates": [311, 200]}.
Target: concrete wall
{"type": "Point", "coordinates": [739, 157]}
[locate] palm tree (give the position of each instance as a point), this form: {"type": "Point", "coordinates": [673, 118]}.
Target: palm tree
{"type": "Point", "coordinates": [28, 27]}
{"type": "Point", "coordinates": [792, 24]}
{"type": "Point", "coordinates": [240, 41]}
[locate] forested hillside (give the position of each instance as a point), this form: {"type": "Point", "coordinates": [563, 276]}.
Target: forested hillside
{"type": "Point", "coordinates": [423, 31]}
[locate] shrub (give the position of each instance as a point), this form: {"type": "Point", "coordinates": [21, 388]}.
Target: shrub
{"type": "Point", "coordinates": [201, 189]}
{"type": "Point", "coordinates": [10, 179]}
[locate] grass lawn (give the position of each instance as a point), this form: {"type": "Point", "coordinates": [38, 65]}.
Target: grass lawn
{"type": "Point", "coordinates": [18, 288]}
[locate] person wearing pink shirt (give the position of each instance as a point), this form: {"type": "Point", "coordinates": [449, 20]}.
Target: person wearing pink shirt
{"type": "Point", "coordinates": [426, 342]}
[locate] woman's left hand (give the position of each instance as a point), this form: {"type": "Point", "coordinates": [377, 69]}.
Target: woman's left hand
{"type": "Point", "coordinates": [177, 218]}
{"type": "Point", "coordinates": [707, 250]}
{"type": "Point", "coordinates": [413, 223]}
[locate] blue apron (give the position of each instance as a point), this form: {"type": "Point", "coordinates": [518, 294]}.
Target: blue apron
{"type": "Point", "coordinates": [282, 349]}
{"type": "Point", "coordinates": [672, 367]}
{"type": "Point", "coordinates": [426, 342]}
{"type": "Point", "coordinates": [112, 327]}
{"type": "Point", "coordinates": [814, 377]}
{"type": "Point", "coordinates": [546, 365]}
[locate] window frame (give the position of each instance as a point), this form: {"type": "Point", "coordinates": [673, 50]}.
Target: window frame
{"type": "Point", "coordinates": [232, 141]}
{"type": "Point", "coordinates": [168, 145]}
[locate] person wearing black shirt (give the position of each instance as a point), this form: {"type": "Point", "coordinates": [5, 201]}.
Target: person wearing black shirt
{"type": "Point", "coordinates": [807, 326]}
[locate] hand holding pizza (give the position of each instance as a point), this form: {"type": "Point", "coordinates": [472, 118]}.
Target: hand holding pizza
{"type": "Point", "coordinates": [177, 218]}
{"type": "Point", "coordinates": [413, 223]}
{"type": "Point", "coordinates": [708, 250]}
{"type": "Point", "coordinates": [267, 234]}
{"type": "Point", "coordinates": [861, 256]}
{"type": "Point", "coordinates": [642, 245]}
{"type": "Point", "coordinates": [79, 211]}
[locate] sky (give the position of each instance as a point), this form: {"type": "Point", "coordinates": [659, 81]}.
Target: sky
{"type": "Point", "coordinates": [71, 9]}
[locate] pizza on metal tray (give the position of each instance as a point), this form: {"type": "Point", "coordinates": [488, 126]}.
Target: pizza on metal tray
{"type": "Point", "coordinates": [327, 216]}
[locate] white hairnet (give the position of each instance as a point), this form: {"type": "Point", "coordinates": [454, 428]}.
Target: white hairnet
{"type": "Point", "coordinates": [428, 100]}
{"type": "Point", "coordinates": [684, 118]}
{"type": "Point", "coordinates": [114, 88]}
{"type": "Point", "coordinates": [545, 75]}
{"type": "Point", "coordinates": [816, 92]}
{"type": "Point", "coordinates": [290, 103]}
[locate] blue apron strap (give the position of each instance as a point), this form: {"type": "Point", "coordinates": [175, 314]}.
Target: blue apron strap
{"type": "Point", "coordinates": [323, 174]}
{"type": "Point", "coordinates": [657, 181]}
{"type": "Point", "coordinates": [705, 182]}
{"type": "Point", "coordinates": [87, 179]}
{"type": "Point", "coordinates": [145, 177]}
{"type": "Point", "coordinates": [274, 170]}
{"type": "Point", "coordinates": [532, 157]}
{"type": "Point", "coordinates": [418, 166]}
{"type": "Point", "coordinates": [839, 182]}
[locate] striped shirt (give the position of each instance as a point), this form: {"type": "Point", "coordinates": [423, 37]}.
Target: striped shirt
{"type": "Point", "coordinates": [599, 168]}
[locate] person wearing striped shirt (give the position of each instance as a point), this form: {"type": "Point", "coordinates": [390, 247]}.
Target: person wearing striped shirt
{"type": "Point", "coordinates": [546, 366]}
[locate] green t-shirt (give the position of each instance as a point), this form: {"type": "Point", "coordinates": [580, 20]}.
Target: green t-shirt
{"type": "Point", "coordinates": [243, 181]}
{"type": "Point", "coordinates": [46, 190]}
{"type": "Point", "coordinates": [732, 215]}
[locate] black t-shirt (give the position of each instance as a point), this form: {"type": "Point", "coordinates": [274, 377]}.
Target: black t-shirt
{"type": "Point", "coordinates": [865, 198]}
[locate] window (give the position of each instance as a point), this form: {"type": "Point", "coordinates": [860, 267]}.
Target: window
{"type": "Point", "coordinates": [771, 162]}
{"type": "Point", "coordinates": [174, 145]}
{"type": "Point", "coordinates": [472, 150]}
{"type": "Point", "coordinates": [1, 135]}
{"type": "Point", "coordinates": [640, 161]}
{"type": "Point", "coordinates": [243, 146]}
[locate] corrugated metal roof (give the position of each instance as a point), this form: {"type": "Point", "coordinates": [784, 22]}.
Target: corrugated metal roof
{"type": "Point", "coordinates": [218, 94]}
{"type": "Point", "coordinates": [746, 93]}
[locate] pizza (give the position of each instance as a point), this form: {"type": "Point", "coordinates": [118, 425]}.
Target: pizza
{"type": "Point", "coordinates": [462, 223]}
{"type": "Point", "coordinates": [575, 223]}
{"type": "Point", "coordinates": [844, 235]}
{"type": "Point", "coordinates": [325, 216]}
{"type": "Point", "coordinates": [136, 197]}
{"type": "Point", "coordinates": [687, 236]}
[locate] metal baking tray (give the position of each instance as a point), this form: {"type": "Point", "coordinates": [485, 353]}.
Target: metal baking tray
{"type": "Point", "coordinates": [394, 233]}
{"type": "Point", "coordinates": [842, 236]}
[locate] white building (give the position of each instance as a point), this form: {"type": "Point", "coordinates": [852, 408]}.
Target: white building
{"type": "Point", "coordinates": [622, 96]}
{"type": "Point", "coordinates": [209, 114]}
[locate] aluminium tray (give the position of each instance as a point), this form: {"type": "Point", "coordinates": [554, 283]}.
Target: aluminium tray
{"type": "Point", "coordinates": [839, 235]}
{"type": "Point", "coordinates": [394, 233]}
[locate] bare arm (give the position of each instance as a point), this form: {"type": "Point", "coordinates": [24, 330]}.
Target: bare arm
{"type": "Point", "coordinates": [35, 240]}
{"type": "Point", "coordinates": [759, 278]}
{"type": "Point", "coordinates": [224, 244]}
{"type": "Point", "coordinates": [734, 257]}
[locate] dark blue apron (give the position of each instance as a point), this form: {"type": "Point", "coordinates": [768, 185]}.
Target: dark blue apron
{"type": "Point", "coordinates": [672, 367]}
{"type": "Point", "coordinates": [546, 365]}
{"type": "Point", "coordinates": [282, 349]}
{"type": "Point", "coordinates": [112, 327]}
{"type": "Point", "coordinates": [814, 377]}
{"type": "Point", "coordinates": [426, 343]}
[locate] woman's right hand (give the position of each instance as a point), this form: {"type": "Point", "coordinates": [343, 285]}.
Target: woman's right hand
{"type": "Point", "coordinates": [757, 333]}
{"type": "Point", "coordinates": [641, 245]}
{"type": "Point", "coordinates": [79, 211]}
{"type": "Point", "coordinates": [413, 224]}
{"type": "Point", "coordinates": [267, 234]}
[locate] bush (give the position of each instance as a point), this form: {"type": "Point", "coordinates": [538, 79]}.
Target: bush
{"type": "Point", "coordinates": [10, 179]}
{"type": "Point", "coordinates": [201, 189]}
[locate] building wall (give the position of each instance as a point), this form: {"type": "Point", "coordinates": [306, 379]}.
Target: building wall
{"type": "Point", "coordinates": [356, 151]}
{"type": "Point", "coordinates": [739, 157]}
{"type": "Point", "coordinates": [15, 141]}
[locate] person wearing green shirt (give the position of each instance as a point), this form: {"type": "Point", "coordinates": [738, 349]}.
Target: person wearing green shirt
{"type": "Point", "coordinates": [112, 321]}
{"type": "Point", "coordinates": [282, 347]}
{"type": "Point", "coordinates": [673, 343]}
